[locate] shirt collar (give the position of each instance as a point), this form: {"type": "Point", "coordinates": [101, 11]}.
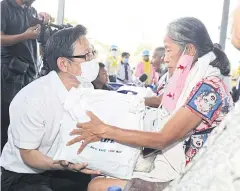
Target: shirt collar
{"type": "Point", "coordinates": [58, 86]}
{"type": "Point", "coordinates": [124, 64]}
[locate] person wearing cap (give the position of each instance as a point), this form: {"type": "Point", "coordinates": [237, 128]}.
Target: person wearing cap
{"type": "Point", "coordinates": [112, 63]}
{"type": "Point", "coordinates": [145, 67]}
{"type": "Point", "coordinates": [124, 75]}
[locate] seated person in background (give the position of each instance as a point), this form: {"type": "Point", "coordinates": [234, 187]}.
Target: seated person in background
{"type": "Point", "coordinates": [124, 75]}
{"type": "Point", "coordinates": [195, 101]}
{"type": "Point", "coordinates": [101, 81]}
{"type": "Point", "coordinates": [35, 119]}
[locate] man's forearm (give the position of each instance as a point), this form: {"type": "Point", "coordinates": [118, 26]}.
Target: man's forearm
{"type": "Point", "coordinates": [136, 138]}
{"type": "Point", "coordinates": [7, 40]}
{"type": "Point", "coordinates": [153, 101]}
{"type": "Point", "coordinates": [37, 160]}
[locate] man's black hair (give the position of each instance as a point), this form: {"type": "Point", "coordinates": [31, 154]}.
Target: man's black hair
{"type": "Point", "coordinates": [125, 54]}
{"type": "Point", "coordinates": [61, 44]}
{"type": "Point", "coordinates": [160, 49]}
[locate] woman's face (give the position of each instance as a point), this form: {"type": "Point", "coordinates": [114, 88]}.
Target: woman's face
{"type": "Point", "coordinates": [173, 52]}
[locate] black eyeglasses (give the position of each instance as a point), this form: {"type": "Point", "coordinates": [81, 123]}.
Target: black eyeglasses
{"type": "Point", "coordinates": [88, 56]}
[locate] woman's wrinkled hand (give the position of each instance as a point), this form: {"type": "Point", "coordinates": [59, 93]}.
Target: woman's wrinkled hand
{"type": "Point", "coordinates": [89, 132]}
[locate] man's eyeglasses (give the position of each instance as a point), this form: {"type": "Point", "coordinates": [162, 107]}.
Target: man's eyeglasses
{"type": "Point", "coordinates": [88, 56]}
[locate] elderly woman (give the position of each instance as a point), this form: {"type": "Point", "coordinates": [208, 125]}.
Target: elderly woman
{"type": "Point", "coordinates": [195, 101]}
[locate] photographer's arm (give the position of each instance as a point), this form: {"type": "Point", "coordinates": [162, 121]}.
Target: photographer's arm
{"type": "Point", "coordinates": [31, 33]}
{"type": "Point", "coordinates": [7, 40]}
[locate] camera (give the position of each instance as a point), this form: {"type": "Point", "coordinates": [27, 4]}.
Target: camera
{"type": "Point", "coordinates": [47, 30]}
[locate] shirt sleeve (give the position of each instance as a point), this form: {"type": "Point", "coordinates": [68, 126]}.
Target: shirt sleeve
{"type": "Point", "coordinates": [205, 100]}
{"type": "Point", "coordinates": [27, 123]}
{"type": "Point", "coordinates": [3, 18]}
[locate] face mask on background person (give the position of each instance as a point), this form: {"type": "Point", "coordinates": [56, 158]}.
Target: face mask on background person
{"type": "Point", "coordinates": [163, 67]}
{"type": "Point", "coordinates": [125, 60]}
{"type": "Point", "coordinates": [89, 71]}
{"type": "Point", "coordinates": [114, 53]}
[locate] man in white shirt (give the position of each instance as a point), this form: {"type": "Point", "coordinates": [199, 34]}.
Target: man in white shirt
{"type": "Point", "coordinates": [124, 75]}
{"type": "Point", "coordinates": [35, 119]}
{"type": "Point", "coordinates": [163, 73]}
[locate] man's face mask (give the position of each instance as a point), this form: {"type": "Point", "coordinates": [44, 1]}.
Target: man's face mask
{"type": "Point", "coordinates": [125, 60]}
{"type": "Point", "coordinates": [163, 67]}
{"type": "Point", "coordinates": [89, 71]}
{"type": "Point", "coordinates": [114, 53]}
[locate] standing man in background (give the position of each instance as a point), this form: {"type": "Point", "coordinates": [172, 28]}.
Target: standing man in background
{"type": "Point", "coordinates": [112, 64]}
{"type": "Point", "coordinates": [18, 52]}
{"type": "Point", "coordinates": [124, 72]}
{"type": "Point", "coordinates": [145, 67]}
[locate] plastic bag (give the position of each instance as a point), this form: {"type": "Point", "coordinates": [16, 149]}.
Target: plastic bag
{"type": "Point", "coordinates": [108, 156]}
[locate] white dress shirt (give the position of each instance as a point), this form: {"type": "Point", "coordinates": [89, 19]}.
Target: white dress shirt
{"type": "Point", "coordinates": [162, 83]}
{"type": "Point", "coordinates": [35, 119]}
{"type": "Point", "coordinates": [121, 75]}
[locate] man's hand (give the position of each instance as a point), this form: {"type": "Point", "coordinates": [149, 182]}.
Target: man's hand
{"type": "Point", "coordinates": [89, 132]}
{"type": "Point", "coordinates": [77, 167]}
{"type": "Point", "coordinates": [32, 32]}
{"type": "Point", "coordinates": [46, 18]}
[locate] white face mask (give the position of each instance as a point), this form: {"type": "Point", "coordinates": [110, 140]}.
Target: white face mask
{"type": "Point", "coordinates": [114, 53]}
{"type": "Point", "coordinates": [90, 70]}
{"type": "Point", "coordinates": [163, 67]}
{"type": "Point", "coordinates": [125, 60]}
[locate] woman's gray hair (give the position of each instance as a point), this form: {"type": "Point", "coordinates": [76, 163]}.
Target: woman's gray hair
{"type": "Point", "coordinates": [189, 30]}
